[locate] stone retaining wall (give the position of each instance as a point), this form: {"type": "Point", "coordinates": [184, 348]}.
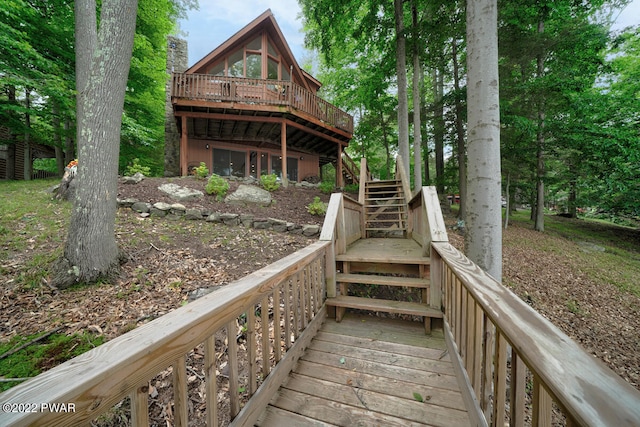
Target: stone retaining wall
{"type": "Point", "coordinates": [177, 211]}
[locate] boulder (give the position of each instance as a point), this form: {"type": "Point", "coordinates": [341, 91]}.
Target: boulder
{"type": "Point", "coordinates": [179, 193]}
{"type": "Point", "coordinates": [141, 207]}
{"type": "Point", "coordinates": [249, 194]}
{"type": "Point", "coordinates": [135, 179]}
{"type": "Point", "coordinates": [310, 230]}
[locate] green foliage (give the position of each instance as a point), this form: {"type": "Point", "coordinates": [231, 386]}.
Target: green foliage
{"type": "Point", "coordinates": [48, 165]}
{"type": "Point", "coordinates": [201, 172]}
{"type": "Point", "coordinates": [136, 167]}
{"type": "Point", "coordinates": [317, 207]}
{"type": "Point", "coordinates": [352, 188]}
{"type": "Point", "coordinates": [269, 182]}
{"type": "Point", "coordinates": [217, 186]}
{"type": "Point", "coordinates": [326, 187]}
{"type": "Point", "coordinates": [43, 354]}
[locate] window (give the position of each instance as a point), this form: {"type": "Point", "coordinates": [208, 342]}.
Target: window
{"type": "Point", "coordinates": [272, 69]}
{"type": "Point", "coordinates": [217, 70]}
{"type": "Point", "coordinates": [254, 66]}
{"type": "Point", "coordinates": [292, 167]}
{"type": "Point", "coordinates": [255, 44]}
{"type": "Point", "coordinates": [236, 64]}
{"type": "Point", "coordinates": [229, 163]}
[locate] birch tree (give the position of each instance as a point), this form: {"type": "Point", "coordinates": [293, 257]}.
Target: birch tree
{"type": "Point", "coordinates": [103, 57]}
{"type": "Point", "coordinates": [484, 236]}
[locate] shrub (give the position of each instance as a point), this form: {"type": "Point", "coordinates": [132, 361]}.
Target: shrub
{"type": "Point", "coordinates": [270, 182]}
{"type": "Point", "coordinates": [201, 171]}
{"type": "Point", "coordinates": [352, 188]}
{"type": "Point", "coordinates": [326, 187]}
{"type": "Point", "coordinates": [317, 207]}
{"type": "Point", "coordinates": [217, 186]}
{"type": "Point", "coordinates": [136, 167]}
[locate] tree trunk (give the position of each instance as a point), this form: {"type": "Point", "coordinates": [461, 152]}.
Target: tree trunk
{"type": "Point", "coordinates": [438, 128]}
{"type": "Point", "coordinates": [540, 169]}
{"type": "Point", "coordinates": [508, 200]}
{"type": "Point", "coordinates": [102, 66]}
{"type": "Point", "coordinates": [28, 158]}
{"type": "Point", "coordinates": [385, 141]}
{"type": "Point", "coordinates": [462, 155]}
{"type": "Point", "coordinates": [11, 153]}
{"type": "Point", "coordinates": [417, 126]}
{"type": "Point", "coordinates": [401, 69]}
{"type": "Point", "coordinates": [484, 236]}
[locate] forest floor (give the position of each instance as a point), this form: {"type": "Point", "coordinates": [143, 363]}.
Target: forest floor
{"type": "Point", "coordinates": [583, 276]}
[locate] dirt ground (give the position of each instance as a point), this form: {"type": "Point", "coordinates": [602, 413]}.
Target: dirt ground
{"type": "Point", "coordinates": [169, 260]}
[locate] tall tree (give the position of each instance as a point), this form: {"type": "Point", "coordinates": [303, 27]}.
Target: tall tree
{"type": "Point", "coordinates": [103, 56]}
{"type": "Point", "coordinates": [401, 72]}
{"type": "Point", "coordinates": [484, 237]}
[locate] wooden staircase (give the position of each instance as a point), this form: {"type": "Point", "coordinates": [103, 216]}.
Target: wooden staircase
{"type": "Point", "coordinates": [384, 262]}
{"type": "Point", "coordinates": [385, 208]}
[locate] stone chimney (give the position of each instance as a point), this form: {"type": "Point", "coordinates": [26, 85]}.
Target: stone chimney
{"type": "Point", "coordinates": [177, 62]}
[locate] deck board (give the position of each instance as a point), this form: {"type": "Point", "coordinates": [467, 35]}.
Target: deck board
{"type": "Point", "coordinates": [384, 250]}
{"type": "Point", "coordinates": [368, 371]}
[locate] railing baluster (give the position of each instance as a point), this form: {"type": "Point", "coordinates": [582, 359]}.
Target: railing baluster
{"type": "Point", "coordinates": [477, 351]}
{"type": "Point", "coordinates": [232, 352]}
{"type": "Point", "coordinates": [140, 406]}
{"type": "Point", "coordinates": [488, 339]}
{"type": "Point", "coordinates": [180, 397]}
{"type": "Point", "coordinates": [287, 313]}
{"type": "Point", "coordinates": [517, 389]}
{"type": "Point", "coordinates": [308, 277]}
{"type": "Point", "coordinates": [500, 379]}
{"type": "Point", "coordinates": [541, 404]}
{"type": "Point", "coordinates": [210, 378]}
{"type": "Point", "coordinates": [264, 324]}
{"type": "Point", "coordinates": [277, 329]}
{"type": "Point", "coordinates": [295, 291]}
{"type": "Point", "coordinates": [251, 349]}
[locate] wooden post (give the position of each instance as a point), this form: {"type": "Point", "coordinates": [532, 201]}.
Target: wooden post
{"type": "Point", "coordinates": [339, 182]}
{"type": "Point", "coordinates": [184, 138]}
{"type": "Point", "coordinates": [283, 142]}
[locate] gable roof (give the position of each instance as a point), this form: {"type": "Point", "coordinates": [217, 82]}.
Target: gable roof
{"type": "Point", "coordinates": [265, 22]}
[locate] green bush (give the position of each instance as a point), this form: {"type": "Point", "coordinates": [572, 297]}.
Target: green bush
{"type": "Point", "coordinates": [317, 207]}
{"type": "Point", "coordinates": [352, 188]}
{"type": "Point", "coordinates": [201, 172]}
{"type": "Point", "coordinates": [217, 186]}
{"type": "Point", "coordinates": [136, 167]}
{"type": "Point", "coordinates": [270, 182]}
{"type": "Point", "coordinates": [47, 165]}
{"type": "Point", "coordinates": [326, 187]}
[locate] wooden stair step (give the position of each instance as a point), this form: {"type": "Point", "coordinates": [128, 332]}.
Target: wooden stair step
{"type": "Point", "coordinates": [388, 306]}
{"type": "Point", "coordinates": [384, 198]}
{"type": "Point", "coordinates": [382, 220]}
{"type": "Point", "coordinates": [374, 279]}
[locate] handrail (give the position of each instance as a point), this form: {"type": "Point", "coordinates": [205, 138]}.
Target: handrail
{"type": "Point", "coordinates": [365, 176]}
{"type": "Point", "coordinates": [404, 178]}
{"type": "Point", "coordinates": [207, 87]}
{"type": "Point", "coordinates": [483, 318]}
{"type": "Point", "coordinates": [289, 291]}
{"type": "Point", "coordinates": [343, 225]}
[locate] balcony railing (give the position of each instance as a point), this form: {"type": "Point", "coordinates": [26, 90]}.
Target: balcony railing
{"type": "Point", "coordinates": [205, 87]}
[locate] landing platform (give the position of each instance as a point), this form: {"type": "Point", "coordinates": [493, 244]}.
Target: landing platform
{"type": "Point", "coordinates": [369, 371]}
{"type": "Point", "coordinates": [384, 250]}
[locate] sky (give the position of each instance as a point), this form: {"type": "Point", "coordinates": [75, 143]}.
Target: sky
{"type": "Point", "coordinates": [217, 20]}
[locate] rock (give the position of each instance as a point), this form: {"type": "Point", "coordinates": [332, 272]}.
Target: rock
{"type": "Point", "coordinates": [246, 219]}
{"type": "Point", "coordinates": [261, 225]}
{"type": "Point", "coordinates": [278, 224]}
{"type": "Point", "coordinates": [193, 214]}
{"type": "Point", "coordinates": [214, 217]}
{"type": "Point", "coordinates": [135, 179]}
{"type": "Point", "coordinates": [249, 194]}
{"type": "Point", "coordinates": [179, 193]}
{"type": "Point", "coordinates": [162, 206]}
{"type": "Point", "coordinates": [310, 230]}
{"type": "Point", "coordinates": [590, 247]}
{"type": "Point", "coordinates": [177, 209]}
{"type": "Point", "coordinates": [141, 207]}
{"type": "Point", "coordinates": [230, 219]}
{"type": "Point", "coordinates": [126, 203]}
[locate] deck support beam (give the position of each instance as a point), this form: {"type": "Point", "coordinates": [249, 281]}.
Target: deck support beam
{"type": "Point", "coordinates": [339, 182]}
{"type": "Point", "coordinates": [283, 142]}
{"type": "Point", "coordinates": [184, 137]}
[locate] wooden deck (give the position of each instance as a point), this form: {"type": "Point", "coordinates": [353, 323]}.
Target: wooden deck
{"type": "Point", "coordinates": [368, 371]}
{"type": "Point", "coordinates": [385, 250]}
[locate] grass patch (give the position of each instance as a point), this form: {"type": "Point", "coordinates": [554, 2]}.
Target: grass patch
{"type": "Point", "coordinates": [42, 355]}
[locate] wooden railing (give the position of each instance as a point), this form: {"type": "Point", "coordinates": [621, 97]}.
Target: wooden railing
{"type": "Point", "coordinates": [206, 87]}
{"type": "Point", "coordinates": [266, 318]}
{"type": "Point", "coordinates": [343, 225]}
{"type": "Point", "coordinates": [518, 366]}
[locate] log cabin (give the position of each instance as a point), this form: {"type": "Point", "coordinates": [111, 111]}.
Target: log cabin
{"type": "Point", "coordinates": [247, 109]}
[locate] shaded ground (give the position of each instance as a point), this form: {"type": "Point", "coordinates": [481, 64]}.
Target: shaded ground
{"type": "Point", "coordinates": [168, 260]}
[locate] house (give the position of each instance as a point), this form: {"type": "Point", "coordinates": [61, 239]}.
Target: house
{"type": "Point", "coordinates": [247, 107]}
